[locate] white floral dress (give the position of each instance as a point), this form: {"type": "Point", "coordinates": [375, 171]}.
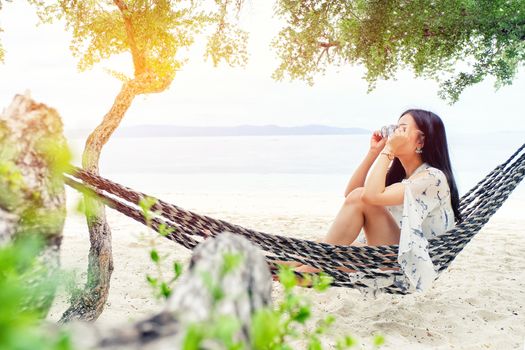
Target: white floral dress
{"type": "Point", "coordinates": [426, 212]}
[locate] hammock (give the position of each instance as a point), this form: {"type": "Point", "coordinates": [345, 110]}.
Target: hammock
{"type": "Point", "coordinates": [476, 207]}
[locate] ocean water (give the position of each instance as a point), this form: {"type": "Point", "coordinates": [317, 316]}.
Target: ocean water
{"type": "Point", "coordinates": [259, 164]}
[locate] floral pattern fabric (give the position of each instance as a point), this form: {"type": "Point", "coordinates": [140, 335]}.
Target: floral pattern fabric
{"type": "Point", "coordinates": [426, 212]}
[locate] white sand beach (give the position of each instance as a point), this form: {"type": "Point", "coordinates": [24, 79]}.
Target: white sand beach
{"type": "Point", "coordinates": [479, 303]}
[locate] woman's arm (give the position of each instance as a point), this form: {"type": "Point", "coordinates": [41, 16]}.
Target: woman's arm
{"type": "Point", "coordinates": [374, 191]}
{"type": "Point", "coordinates": [377, 143]}
{"type": "Point", "coordinates": [358, 179]}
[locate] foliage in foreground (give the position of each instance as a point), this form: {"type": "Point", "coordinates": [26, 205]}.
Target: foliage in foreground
{"type": "Point", "coordinates": [20, 325]}
{"type": "Point", "coordinates": [271, 328]}
{"type": "Point", "coordinates": [31, 191]}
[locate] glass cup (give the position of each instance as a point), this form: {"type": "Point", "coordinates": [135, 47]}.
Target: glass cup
{"type": "Point", "coordinates": [388, 130]}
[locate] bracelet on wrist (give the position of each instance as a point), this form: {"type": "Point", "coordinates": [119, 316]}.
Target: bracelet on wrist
{"type": "Point", "coordinates": [390, 156]}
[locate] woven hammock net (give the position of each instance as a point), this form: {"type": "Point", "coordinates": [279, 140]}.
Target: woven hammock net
{"type": "Point", "coordinates": [371, 262]}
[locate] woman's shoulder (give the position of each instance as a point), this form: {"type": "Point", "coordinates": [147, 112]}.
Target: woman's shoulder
{"type": "Point", "coordinates": [436, 172]}
{"type": "Point", "coordinates": [428, 173]}
{"type": "Point", "coordinates": [437, 175]}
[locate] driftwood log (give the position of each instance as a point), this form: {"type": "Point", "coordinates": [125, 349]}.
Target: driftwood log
{"type": "Point", "coordinates": [32, 195]}
{"type": "Point", "coordinates": [246, 289]}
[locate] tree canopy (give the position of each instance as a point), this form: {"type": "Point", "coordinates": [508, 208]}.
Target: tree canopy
{"type": "Point", "coordinates": [455, 42]}
{"type": "Point", "coordinates": [458, 43]}
{"type": "Point", "coordinates": [154, 31]}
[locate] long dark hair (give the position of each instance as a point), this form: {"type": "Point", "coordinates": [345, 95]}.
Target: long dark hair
{"type": "Point", "coordinates": [435, 154]}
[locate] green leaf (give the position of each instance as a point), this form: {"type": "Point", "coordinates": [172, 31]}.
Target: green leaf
{"type": "Point", "coordinates": [177, 268]}
{"type": "Point", "coordinates": [154, 255]}
{"type": "Point", "coordinates": [322, 281]}
{"type": "Point", "coordinates": [379, 340]}
{"type": "Point", "coordinates": [265, 328]}
{"type": "Point", "coordinates": [315, 344]}
{"type": "Point", "coordinates": [165, 290]}
{"type": "Point", "coordinates": [151, 280]}
{"type": "Point", "coordinates": [193, 338]}
{"type": "Point", "coordinates": [291, 301]}
{"type": "Point", "coordinates": [329, 320]}
{"type": "Point", "coordinates": [230, 262]}
{"type": "Point", "coordinates": [165, 230]}
{"type": "Point", "coordinates": [225, 327]}
{"type": "Point", "coordinates": [146, 202]}
{"type": "Point", "coordinates": [287, 277]}
{"type": "Point", "coordinates": [217, 293]}
{"type": "Point", "coordinates": [346, 342]}
{"type": "Point", "coordinates": [23, 295]}
{"type": "Point", "coordinates": [87, 205]}
{"type": "Point", "coordinates": [302, 314]}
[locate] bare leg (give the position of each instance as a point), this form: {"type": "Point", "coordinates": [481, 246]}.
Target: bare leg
{"type": "Point", "coordinates": [379, 226]}
{"type": "Point", "coordinates": [348, 222]}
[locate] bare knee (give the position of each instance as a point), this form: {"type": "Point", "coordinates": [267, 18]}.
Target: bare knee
{"type": "Point", "coordinates": [354, 197]}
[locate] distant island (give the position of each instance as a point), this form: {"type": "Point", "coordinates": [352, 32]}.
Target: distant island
{"type": "Point", "coordinates": [208, 131]}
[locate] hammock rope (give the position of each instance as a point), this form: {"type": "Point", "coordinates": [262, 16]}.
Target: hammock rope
{"type": "Point", "coordinates": [281, 247]}
{"type": "Point", "coordinates": [476, 208]}
{"type": "Point", "coordinates": [445, 248]}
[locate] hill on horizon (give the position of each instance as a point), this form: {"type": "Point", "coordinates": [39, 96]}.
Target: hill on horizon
{"type": "Point", "coordinates": [207, 131]}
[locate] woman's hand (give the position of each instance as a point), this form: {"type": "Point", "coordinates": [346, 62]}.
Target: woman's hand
{"type": "Point", "coordinates": [377, 142]}
{"type": "Point", "coordinates": [397, 139]}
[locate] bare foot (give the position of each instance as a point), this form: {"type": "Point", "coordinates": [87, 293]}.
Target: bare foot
{"type": "Point", "coordinates": [306, 269]}
{"type": "Point", "coordinates": [288, 263]}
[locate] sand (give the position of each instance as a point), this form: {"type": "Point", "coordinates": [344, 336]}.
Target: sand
{"type": "Point", "coordinates": [479, 303]}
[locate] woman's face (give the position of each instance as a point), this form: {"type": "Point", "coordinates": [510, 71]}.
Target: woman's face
{"type": "Point", "coordinates": [415, 138]}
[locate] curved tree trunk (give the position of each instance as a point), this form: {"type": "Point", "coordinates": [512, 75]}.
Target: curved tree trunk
{"type": "Point", "coordinates": [32, 194]}
{"type": "Point", "coordinates": [90, 303]}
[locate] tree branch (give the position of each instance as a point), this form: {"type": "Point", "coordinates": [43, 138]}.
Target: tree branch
{"type": "Point", "coordinates": [327, 45]}
{"type": "Point", "coordinates": [139, 61]}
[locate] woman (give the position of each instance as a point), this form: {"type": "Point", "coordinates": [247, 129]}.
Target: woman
{"type": "Point", "coordinates": [409, 196]}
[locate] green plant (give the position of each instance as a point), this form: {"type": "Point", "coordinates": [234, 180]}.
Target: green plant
{"type": "Point", "coordinates": [219, 328]}
{"type": "Point", "coordinates": [162, 284]}
{"type": "Point", "coordinates": [20, 323]}
{"type": "Point", "coordinates": [271, 328]}
{"type": "Point", "coordinates": [291, 314]}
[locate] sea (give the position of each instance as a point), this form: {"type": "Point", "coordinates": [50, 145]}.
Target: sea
{"type": "Point", "coordinates": [277, 164]}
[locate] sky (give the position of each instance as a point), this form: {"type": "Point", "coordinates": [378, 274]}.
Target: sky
{"type": "Point", "coordinates": [38, 59]}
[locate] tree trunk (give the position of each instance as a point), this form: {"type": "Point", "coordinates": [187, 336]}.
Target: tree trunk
{"type": "Point", "coordinates": [90, 303]}
{"type": "Point", "coordinates": [246, 289]}
{"type": "Point", "coordinates": [32, 194]}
